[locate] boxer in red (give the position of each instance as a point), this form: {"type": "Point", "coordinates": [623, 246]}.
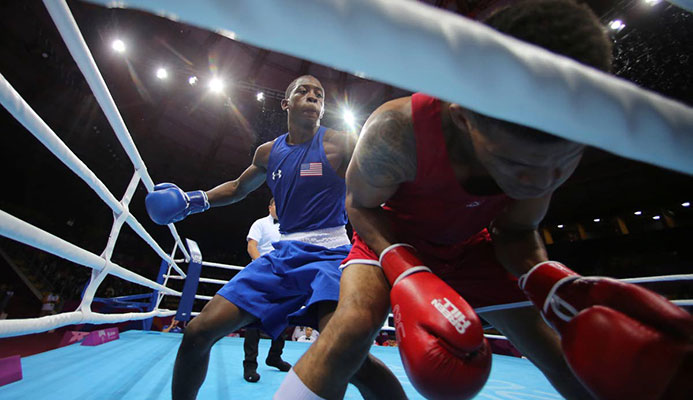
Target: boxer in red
{"type": "Point", "coordinates": [446, 204]}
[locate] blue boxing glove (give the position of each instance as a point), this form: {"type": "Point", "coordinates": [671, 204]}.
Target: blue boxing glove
{"type": "Point", "coordinates": [168, 203]}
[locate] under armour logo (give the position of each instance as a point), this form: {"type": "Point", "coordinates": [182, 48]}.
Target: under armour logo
{"type": "Point", "coordinates": [473, 204]}
{"type": "Point", "coordinates": [276, 174]}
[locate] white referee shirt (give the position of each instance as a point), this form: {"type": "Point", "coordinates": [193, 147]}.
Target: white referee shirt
{"type": "Point", "coordinates": [265, 231]}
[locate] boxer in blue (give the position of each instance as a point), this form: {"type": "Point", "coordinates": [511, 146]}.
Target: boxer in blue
{"type": "Point", "coordinates": [304, 169]}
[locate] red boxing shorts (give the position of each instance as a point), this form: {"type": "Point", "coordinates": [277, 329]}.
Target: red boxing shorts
{"type": "Point", "coordinates": [474, 271]}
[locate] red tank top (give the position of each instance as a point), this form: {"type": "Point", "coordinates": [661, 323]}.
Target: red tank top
{"type": "Point", "coordinates": [434, 213]}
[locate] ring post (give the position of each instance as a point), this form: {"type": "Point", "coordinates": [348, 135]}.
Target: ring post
{"type": "Point", "coordinates": [147, 323]}
{"type": "Point", "coordinates": [191, 281]}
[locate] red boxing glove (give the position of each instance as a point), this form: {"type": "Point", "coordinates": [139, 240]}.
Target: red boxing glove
{"type": "Point", "coordinates": [621, 340]}
{"type": "Point", "coordinates": [440, 337]}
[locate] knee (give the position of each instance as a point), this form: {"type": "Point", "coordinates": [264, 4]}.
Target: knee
{"type": "Point", "coordinates": [197, 336]}
{"type": "Point", "coordinates": [356, 324]}
{"type": "Point", "coordinates": [367, 370]}
{"type": "Point", "coordinates": [375, 380]}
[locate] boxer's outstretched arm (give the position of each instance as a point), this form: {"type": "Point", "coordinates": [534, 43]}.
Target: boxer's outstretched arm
{"type": "Point", "coordinates": [516, 240]}
{"type": "Point", "coordinates": [385, 156]}
{"type": "Point", "coordinates": [251, 179]}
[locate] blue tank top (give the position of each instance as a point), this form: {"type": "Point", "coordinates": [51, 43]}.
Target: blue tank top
{"type": "Point", "coordinates": [308, 193]}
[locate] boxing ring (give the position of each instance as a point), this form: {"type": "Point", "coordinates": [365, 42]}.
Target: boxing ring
{"type": "Point", "coordinates": [139, 364]}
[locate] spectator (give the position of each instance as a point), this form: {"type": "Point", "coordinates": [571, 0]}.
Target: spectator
{"type": "Point", "coordinates": [262, 234]}
{"type": "Point", "coordinates": [6, 293]}
{"type": "Point", "coordinates": [308, 336]}
{"type": "Point", "coordinates": [49, 301]}
{"type": "Point", "coordinates": [298, 332]}
{"type": "Point", "coordinates": [173, 327]}
{"type": "Point", "coordinates": [382, 339]}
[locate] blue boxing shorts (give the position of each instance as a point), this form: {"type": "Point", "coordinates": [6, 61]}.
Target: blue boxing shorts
{"type": "Point", "coordinates": [276, 285]}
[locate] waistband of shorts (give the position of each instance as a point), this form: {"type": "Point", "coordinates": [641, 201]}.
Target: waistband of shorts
{"type": "Point", "coordinates": [326, 237]}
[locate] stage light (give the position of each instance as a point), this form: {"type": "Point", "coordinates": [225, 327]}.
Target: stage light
{"type": "Point", "coordinates": [638, 213]}
{"type": "Point", "coordinates": [260, 96]}
{"type": "Point", "coordinates": [192, 80]}
{"type": "Point", "coordinates": [560, 226]}
{"type": "Point", "coordinates": [656, 217]}
{"type": "Point", "coordinates": [161, 73]}
{"type": "Point", "coordinates": [596, 220]}
{"type": "Point", "coordinates": [617, 25]}
{"type": "Point", "coordinates": [686, 204]}
{"type": "Point", "coordinates": [216, 85]}
{"type": "Point", "coordinates": [118, 46]}
{"type": "Point", "coordinates": [348, 117]}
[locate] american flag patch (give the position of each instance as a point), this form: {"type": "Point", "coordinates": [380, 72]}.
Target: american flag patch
{"type": "Point", "coordinates": [311, 169]}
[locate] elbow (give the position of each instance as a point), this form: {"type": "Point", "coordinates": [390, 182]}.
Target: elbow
{"type": "Point", "coordinates": [223, 194]}
{"type": "Point", "coordinates": [349, 201]}
{"type": "Point", "coordinates": [353, 209]}
{"type": "Point", "coordinates": [232, 189]}
{"type": "Point", "coordinates": [238, 191]}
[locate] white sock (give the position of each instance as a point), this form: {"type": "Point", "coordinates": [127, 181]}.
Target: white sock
{"type": "Point", "coordinates": [293, 389]}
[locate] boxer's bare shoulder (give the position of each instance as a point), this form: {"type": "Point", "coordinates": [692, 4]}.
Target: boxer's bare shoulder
{"type": "Point", "coordinates": [339, 146]}
{"type": "Point", "coordinates": [386, 151]}
{"type": "Point", "coordinates": [261, 157]}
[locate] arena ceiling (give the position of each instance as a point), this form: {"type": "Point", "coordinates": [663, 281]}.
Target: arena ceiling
{"type": "Point", "coordinates": [198, 140]}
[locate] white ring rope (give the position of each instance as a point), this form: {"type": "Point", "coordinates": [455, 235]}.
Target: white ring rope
{"type": "Point", "coordinates": [69, 30]}
{"type": "Point", "coordinates": [217, 281]}
{"type": "Point", "coordinates": [19, 108]}
{"type": "Point", "coordinates": [17, 327]}
{"type": "Point", "coordinates": [490, 336]}
{"type": "Point", "coordinates": [10, 225]}
{"type": "Point", "coordinates": [521, 304]}
{"type": "Point", "coordinates": [18, 230]}
{"type": "Point", "coordinates": [499, 307]}
{"type": "Point", "coordinates": [419, 47]}
{"type": "Point", "coordinates": [224, 266]}
{"type": "Point", "coordinates": [661, 278]}
{"type": "Point", "coordinates": [166, 276]}
{"type": "Point", "coordinates": [567, 96]}
{"type": "Point", "coordinates": [208, 280]}
{"type": "Point", "coordinates": [102, 265]}
{"type": "Point", "coordinates": [387, 327]}
{"type": "Point", "coordinates": [648, 279]}
{"type": "Point", "coordinates": [65, 22]}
